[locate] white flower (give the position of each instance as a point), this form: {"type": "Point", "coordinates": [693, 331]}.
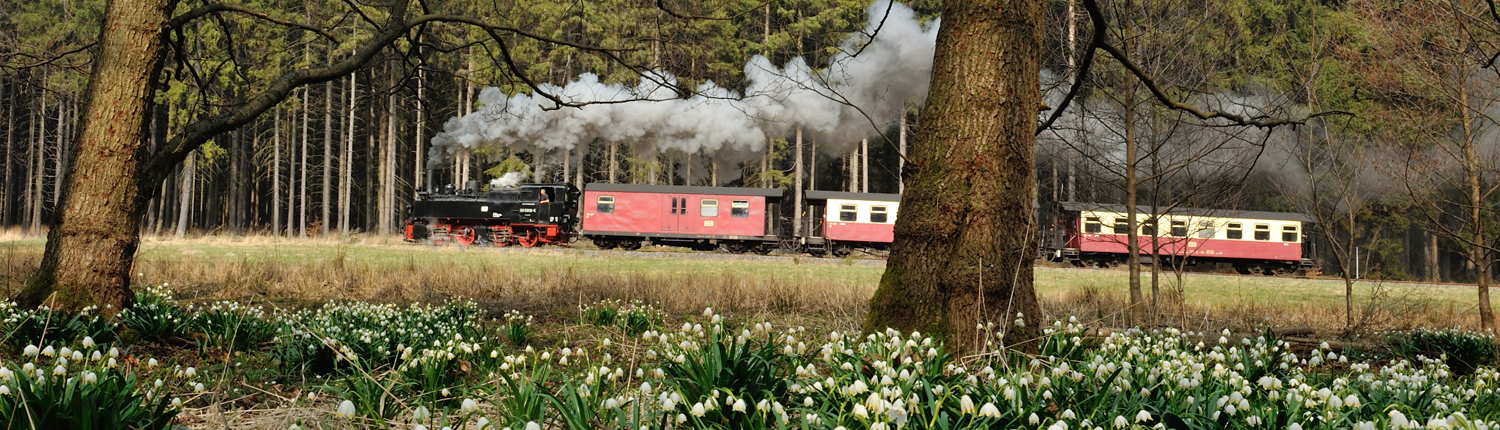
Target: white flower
{"type": "Point", "coordinates": [1060, 425]}
{"type": "Point", "coordinates": [482, 423]}
{"type": "Point", "coordinates": [151, 363]}
{"type": "Point", "coordinates": [739, 405]}
{"type": "Point", "coordinates": [989, 410]}
{"type": "Point", "coordinates": [1398, 419]}
{"type": "Point", "coordinates": [421, 414]}
{"type": "Point", "coordinates": [31, 351]}
{"type": "Point", "coordinates": [1294, 426]}
{"type": "Point", "coordinates": [698, 410]}
{"type": "Point", "coordinates": [1068, 414]}
{"type": "Point", "coordinates": [1142, 416]}
{"type": "Point", "coordinates": [966, 405]}
{"type": "Point", "coordinates": [1033, 419]}
{"type": "Point", "coordinates": [1351, 401]}
{"type": "Point", "coordinates": [4, 390]}
{"type": "Point", "coordinates": [532, 425]}
{"type": "Point", "coordinates": [469, 405]}
{"type": "Point", "coordinates": [59, 370]}
{"type": "Point", "coordinates": [198, 386]}
{"type": "Point", "coordinates": [859, 411]}
{"type": "Point", "coordinates": [176, 402]}
{"type": "Point", "coordinates": [1121, 422]}
{"type": "Point", "coordinates": [191, 372]}
{"type": "Point", "coordinates": [345, 410]}
{"type": "Point", "coordinates": [419, 427]}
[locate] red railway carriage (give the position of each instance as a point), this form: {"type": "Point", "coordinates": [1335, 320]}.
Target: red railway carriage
{"type": "Point", "coordinates": [625, 216]}
{"type": "Point", "coordinates": [1255, 242]}
{"type": "Point", "coordinates": [840, 222]}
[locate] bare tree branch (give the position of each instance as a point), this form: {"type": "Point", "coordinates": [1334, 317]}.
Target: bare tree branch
{"type": "Point", "coordinates": [215, 8]}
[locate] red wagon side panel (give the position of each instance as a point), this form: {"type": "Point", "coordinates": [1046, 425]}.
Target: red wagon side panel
{"type": "Point", "coordinates": [673, 214]}
{"type": "Point", "coordinates": [859, 232]}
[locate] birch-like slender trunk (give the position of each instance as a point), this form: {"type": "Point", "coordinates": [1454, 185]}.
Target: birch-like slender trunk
{"type": "Point", "coordinates": [327, 155]}
{"type": "Point", "coordinates": [614, 164]}
{"type": "Point", "coordinates": [276, 173]}
{"type": "Point", "coordinates": [346, 162]}
{"type": "Point", "coordinates": [302, 168]}
{"type": "Point", "coordinates": [185, 194]}
{"type": "Point", "coordinates": [901, 161]}
{"type": "Point", "coordinates": [797, 203]}
{"type": "Point", "coordinates": [41, 158]}
{"type": "Point", "coordinates": [864, 167]}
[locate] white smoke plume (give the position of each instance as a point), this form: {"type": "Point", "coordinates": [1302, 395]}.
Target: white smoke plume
{"type": "Point", "coordinates": [509, 180]}
{"type": "Point", "coordinates": [891, 71]}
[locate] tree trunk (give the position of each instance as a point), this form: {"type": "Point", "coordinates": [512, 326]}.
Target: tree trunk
{"type": "Point", "coordinates": [901, 162]}
{"type": "Point", "coordinates": [185, 198]}
{"type": "Point", "coordinates": [97, 248]}
{"type": "Point", "coordinates": [1478, 253]}
{"type": "Point", "coordinates": [276, 174]}
{"type": "Point", "coordinates": [302, 167]}
{"type": "Point", "coordinates": [327, 155]}
{"type": "Point", "coordinates": [1132, 239]}
{"type": "Point", "coordinates": [614, 164]}
{"type": "Point", "coordinates": [797, 204]}
{"type": "Point", "coordinates": [8, 200]}
{"type": "Point", "coordinates": [965, 241]}
{"type": "Point", "coordinates": [38, 173]}
{"type": "Point", "coordinates": [346, 161]}
{"type": "Point", "coordinates": [864, 165]}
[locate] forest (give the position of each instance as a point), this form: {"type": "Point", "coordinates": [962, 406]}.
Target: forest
{"type": "Point", "coordinates": [1410, 88]}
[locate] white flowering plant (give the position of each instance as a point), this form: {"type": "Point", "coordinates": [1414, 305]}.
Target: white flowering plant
{"type": "Point", "coordinates": [60, 387]}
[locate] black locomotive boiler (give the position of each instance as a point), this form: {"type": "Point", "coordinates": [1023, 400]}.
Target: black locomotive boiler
{"type": "Point", "coordinates": [527, 215]}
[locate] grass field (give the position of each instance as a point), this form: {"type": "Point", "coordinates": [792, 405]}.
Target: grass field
{"type": "Point", "coordinates": [298, 272]}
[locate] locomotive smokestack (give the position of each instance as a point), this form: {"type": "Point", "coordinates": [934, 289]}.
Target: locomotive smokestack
{"type": "Point", "coordinates": [430, 187]}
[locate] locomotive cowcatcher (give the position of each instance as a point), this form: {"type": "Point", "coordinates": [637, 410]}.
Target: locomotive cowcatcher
{"type": "Point", "coordinates": [527, 215]}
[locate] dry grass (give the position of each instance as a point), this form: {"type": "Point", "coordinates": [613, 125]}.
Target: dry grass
{"type": "Point", "coordinates": [822, 292]}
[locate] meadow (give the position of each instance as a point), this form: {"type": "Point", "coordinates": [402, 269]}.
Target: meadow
{"type": "Point", "coordinates": [371, 333]}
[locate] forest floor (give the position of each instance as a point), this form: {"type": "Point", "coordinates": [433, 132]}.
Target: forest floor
{"type": "Point", "coordinates": [366, 332]}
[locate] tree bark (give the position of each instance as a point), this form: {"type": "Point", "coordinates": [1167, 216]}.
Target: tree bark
{"type": "Point", "coordinates": [185, 199]}
{"type": "Point", "coordinates": [95, 235]}
{"type": "Point", "coordinates": [327, 156]}
{"type": "Point", "coordinates": [864, 165]}
{"type": "Point", "coordinates": [276, 174]}
{"type": "Point", "coordinates": [965, 240]}
{"type": "Point", "coordinates": [302, 166]}
{"type": "Point", "coordinates": [797, 205]}
{"type": "Point", "coordinates": [1479, 252]}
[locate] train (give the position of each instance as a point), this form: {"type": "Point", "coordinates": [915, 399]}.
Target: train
{"type": "Point", "coordinates": [743, 220]}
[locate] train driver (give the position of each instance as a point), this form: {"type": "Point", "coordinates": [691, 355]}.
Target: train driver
{"type": "Point", "coordinates": [543, 199]}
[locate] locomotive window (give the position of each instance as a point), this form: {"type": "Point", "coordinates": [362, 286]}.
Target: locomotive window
{"type": "Point", "coordinates": [1262, 232]}
{"type": "Point", "coordinates": [605, 205]}
{"type": "Point", "coordinates": [708, 207]}
{"type": "Point", "coordinates": [1121, 226]}
{"type": "Point", "coordinates": [739, 209]}
{"type": "Point", "coordinates": [1235, 231]}
{"type": "Point", "coordinates": [1091, 225]}
{"type": "Point", "coordinates": [1179, 228]}
{"type": "Point", "coordinates": [1148, 228]}
{"type": "Point", "coordinates": [877, 214]}
{"type": "Point", "coordinates": [1289, 233]}
{"type": "Point", "coordinates": [1206, 229]}
{"type": "Point", "coordinates": [848, 213]}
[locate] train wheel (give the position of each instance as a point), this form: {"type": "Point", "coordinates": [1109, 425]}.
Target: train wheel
{"type": "Point", "coordinates": [737, 247]}
{"type": "Point", "coordinates": [464, 235]}
{"type": "Point", "coordinates": [841, 250]}
{"type": "Point", "coordinates": [528, 239]}
{"type": "Point", "coordinates": [605, 243]}
{"type": "Point", "coordinates": [630, 245]}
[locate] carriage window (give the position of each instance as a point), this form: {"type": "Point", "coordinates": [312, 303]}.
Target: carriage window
{"type": "Point", "coordinates": [848, 213]}
{"type": "Point", "coordinates": [605, 205]}
{"type": "Point", "coordinates": [1206, 230]}
{"type": "Point", "coordinates": [1235, 231]}
{"type": "Point", "coordinates": [739, 209]}
{"type": "Point", "coordinates": [1179, 228]}
{"type": "Point", "coordinates": [1148, 228]}
{"type": "Point", "coordinates": [1091, 225]}
{"type": "Point", "coordinates": [1121, 226]}
{"type": "Point", "coordinates": [708, 207]}
{"type": "Point", "coordinates": [877, 214]}
{"type": "Point", "coordinates": [1289, 233]}
{"type": "Point", "coordinates": [1262, 232]}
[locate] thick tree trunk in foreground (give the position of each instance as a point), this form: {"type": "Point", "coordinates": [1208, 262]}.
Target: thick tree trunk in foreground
{"type": "Point", "coordinates": [965, 240]}
{"type": "Point", "coordinates": [94, 234]}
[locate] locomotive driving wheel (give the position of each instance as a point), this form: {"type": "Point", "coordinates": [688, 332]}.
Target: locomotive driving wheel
{"type": "Point", "coordinates": [528, 239]}
{"type": "Point", "coordinates": [464, 235]}
{"type": "Point", "coordinates": [841, 250]}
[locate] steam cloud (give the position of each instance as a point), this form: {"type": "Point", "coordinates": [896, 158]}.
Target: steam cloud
{"type": "Point", "coordinates": [893, 70]}
{"type": "Point", "coordinates": [509, 180]}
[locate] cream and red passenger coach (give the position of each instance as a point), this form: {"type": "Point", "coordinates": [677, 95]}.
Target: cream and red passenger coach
{"type": "Point", "coordinates": [1254, 242]}
{"type": "Point", "coordinates": [840, 222]}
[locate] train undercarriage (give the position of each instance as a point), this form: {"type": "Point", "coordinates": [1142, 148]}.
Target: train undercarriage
{"type": "Point", "coordinates": [1241, 266]}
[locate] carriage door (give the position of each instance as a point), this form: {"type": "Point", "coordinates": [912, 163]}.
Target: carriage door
{"type": "Point", "coordinates": [676, 205]}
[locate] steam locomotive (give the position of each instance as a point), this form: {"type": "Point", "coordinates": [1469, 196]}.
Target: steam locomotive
{"type": "Point", "coordinates": [527, 215]}
{"type": "Point", "coordinates": [744, 220]}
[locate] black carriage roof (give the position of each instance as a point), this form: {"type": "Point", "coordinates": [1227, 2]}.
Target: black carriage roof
{"type": "Point", "coordinates": [875, 197]}
{"type": "Point", "coordinates": [679, 189]}
{"type": "Point", "coordinates": [1218, 213]}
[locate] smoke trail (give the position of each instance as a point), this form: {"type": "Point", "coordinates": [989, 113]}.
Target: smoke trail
{"type": "Point", "coordinates": [892, 71]}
